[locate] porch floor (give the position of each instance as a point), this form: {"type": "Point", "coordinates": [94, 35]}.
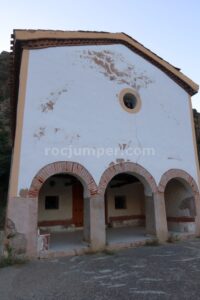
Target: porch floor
{"type": "Point", "coordinates": [60, 241]}
{"type": "Point", "coordinates": [125, 234]}
{"type": "Point", "coordinates": [66, 240]}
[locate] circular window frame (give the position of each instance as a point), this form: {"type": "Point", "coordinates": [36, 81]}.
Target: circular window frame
{"type": "Point", "coordinates": [136, 95]}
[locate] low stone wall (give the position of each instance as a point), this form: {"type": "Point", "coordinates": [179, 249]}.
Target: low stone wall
{"type": "Point", "coordinates": [125, 221]}
{"type": "Point", "coordinates": [182, 227]}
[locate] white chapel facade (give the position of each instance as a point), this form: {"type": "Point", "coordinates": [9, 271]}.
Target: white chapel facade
{"type": "Point", "coordinates": [103, 142]}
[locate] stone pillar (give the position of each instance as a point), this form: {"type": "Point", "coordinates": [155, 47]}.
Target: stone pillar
{"type": "Point", "coordinates": [150, 215]}
{"type": "Point", "coordinates": [160, 217]}
{"type": "Point", "coordinates": [21, 226]}
{"type": "Point", "coordinates": [86, 221]}
{"type": "Point", "coordinates": [97, 222]}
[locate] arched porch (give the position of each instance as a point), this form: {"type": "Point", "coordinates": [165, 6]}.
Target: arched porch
{"type": "Point", "coordinates": [133, 189]}
{"type": "Point", "coordinates": [182, 202]}
{"type": "Point", "coordinates": [62, 193]}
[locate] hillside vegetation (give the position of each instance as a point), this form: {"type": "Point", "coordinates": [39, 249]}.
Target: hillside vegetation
{"type": "Point", "coordinates": [5, 134]}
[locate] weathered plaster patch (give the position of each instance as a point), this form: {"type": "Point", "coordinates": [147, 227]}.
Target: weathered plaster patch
{"type": "Point", "coordinates": [61, 134]}
{"type": "Point", "coordinates": [40, 132]}
{"type": "Point", "coordinates": [124, 146]}
{"type": "Point", "coordinates": [47, 106]}
{"type": "Point", "coordinates": [72, 137]}
{"type": "Point", "coordinates": [56, 130]}
{"type": "Point", "coordinates": [51, 100]}
{"type": "Point", "coordinates": [120, 160]}
{"type": "Point", "coordinates": [174, 158]}
{"type": "Point", "coordinates": [116, 68]}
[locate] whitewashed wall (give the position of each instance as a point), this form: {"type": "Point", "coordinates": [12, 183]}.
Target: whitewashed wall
{"type": "Point", "coordinates": [72, 99]}
{"type": "Point", "coordinates": [134, 200]}
{"type": "Point", "coordinates": [64, 212]}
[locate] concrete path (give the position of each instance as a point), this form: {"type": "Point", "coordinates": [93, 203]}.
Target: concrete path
{"type": "Point", "coordinates": [171, 271]}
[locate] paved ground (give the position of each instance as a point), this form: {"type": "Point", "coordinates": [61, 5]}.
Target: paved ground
{"type": "Point", "coordinates": [170, 272]}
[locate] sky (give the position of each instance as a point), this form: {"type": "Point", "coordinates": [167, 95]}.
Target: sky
{"type": "Point", "coordinates": [170, 28]}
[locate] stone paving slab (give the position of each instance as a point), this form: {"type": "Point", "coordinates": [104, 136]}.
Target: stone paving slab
{"type": "Point", "coordinates": [170, 271]}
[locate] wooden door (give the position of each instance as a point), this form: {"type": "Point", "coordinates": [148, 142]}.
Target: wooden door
{"type": "Point", "coordinates": [77, 194]}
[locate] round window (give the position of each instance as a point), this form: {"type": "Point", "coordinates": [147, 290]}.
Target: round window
{"type": "Point", "coordinates": [130, 100]}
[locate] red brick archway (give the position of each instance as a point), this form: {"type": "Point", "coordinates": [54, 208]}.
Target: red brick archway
{"type": "Point", "coordinates": [72, 168]}
{"type": "Point", "coordinates": [128, 167]}
{"type": "Point", "coordinates": [178, 174]}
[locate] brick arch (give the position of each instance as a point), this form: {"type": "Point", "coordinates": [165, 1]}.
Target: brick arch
{"type": "Point", "coordinates": [181, 175]}
{"type": "Point", "coordinates": [128, 167]}
{"type": "Point", "coordinates": [72, 168]}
